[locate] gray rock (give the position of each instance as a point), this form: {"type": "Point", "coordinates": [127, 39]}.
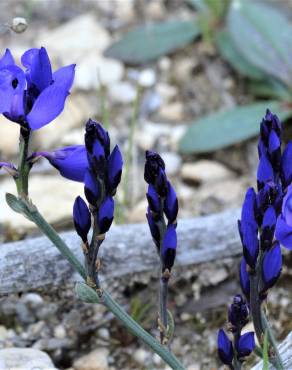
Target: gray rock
{"type": "Point", "coordinates": [24, 358]}
{"type": "Point", "coordinates": [172, 162]}
{"type": "Point", "coordinates": [147, 78]}
{"type": "Point", "coordinates": [122, 92]}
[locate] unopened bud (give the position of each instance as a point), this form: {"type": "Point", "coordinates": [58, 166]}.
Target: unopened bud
{"type": "Point", "coordinates": [19, 24]}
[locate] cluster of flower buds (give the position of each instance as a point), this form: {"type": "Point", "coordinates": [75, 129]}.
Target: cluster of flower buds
{"type": "Point", "coordinates": [162, 200]}
{"type": "Point", "coordinates": [264, 213]}
{"type": "Point", "coordinates": [232, 352]}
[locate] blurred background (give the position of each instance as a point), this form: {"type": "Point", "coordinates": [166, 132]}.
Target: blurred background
{"type": "Point", "coordinates": [190, 79]}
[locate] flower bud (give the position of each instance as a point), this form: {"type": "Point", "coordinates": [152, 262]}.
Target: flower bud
{"type": "Point", "coordinates": [82, 218]}
{"type": "Point", "coordinates": [225, 348]}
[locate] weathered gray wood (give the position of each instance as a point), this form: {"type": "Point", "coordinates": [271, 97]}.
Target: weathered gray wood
{"type": "Point", "coordinates": [35, 263]}
{"type": "Point", "coordinates": [285, 349]}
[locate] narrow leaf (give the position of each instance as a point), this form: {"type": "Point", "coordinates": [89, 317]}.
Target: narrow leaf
{"type": "Point", "coordinates": [86, 294]}
{"type": "Point", "coordinates": [262, 34]}
{"type": "Point", "coordinates": [221, 129]}
{"type": "Point", "coordinates": [14, 203]}
{"type": "Point", "coordinates": [265, 352]}
{"type": "Point", "coordinates": [270, 88]}
{"type": "Point", "coordinates": [230, 52]}
{"type": "Point", "coordinates": [149, 42]}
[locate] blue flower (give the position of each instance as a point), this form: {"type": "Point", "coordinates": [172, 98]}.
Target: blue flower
{"type": "Point", "coordinates": [153, 201]}
{"type": "Point", "coordinates": [171, 204]}
{"type": "Point", "coordinates": [34, 97]}
{"type": "Point", "coordinates": [272, 266]}
{"type": "Point", "coordinates": [154, 229]}
{"type": "Point", "coordinates": [154, 172]}
{"type": "Point", "coordinates": [238, 313]}
{"type": "Point", "coordinates": [244, 278]}
{"type": "Point", "coordinates": [92, 188]}
{"type": "Point", "coordinates": [106, 214]}
{"type": "Point", "coordinates": [268, 227]}
{"type": "Point", "coordinates": [70, 161]}
{"type": "Point", "coordinates": [265, 171]}
{"type": "Point", "coordinates": [115, 165]}
{"type": "Point", "coordinates": [169, 245]}
{"type": "Point", "coordinates": [245, 345]}
{"type": "Point", "coordinates": [82, 218]}
{"type": "Point", "coordinates": [284, 222]}
{"type": "Point", "coordinates": [286, 166]}
{"type": "Point", "coordinates": [225, 348]}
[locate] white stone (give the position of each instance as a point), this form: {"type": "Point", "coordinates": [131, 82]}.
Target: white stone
{"type": "Point", "coordinates": [53, 195]}
{"type": "Point", "coordinates": [95, 70]}
{"type": "Point", "coordinates": [60, 332]}
{"type": "Point", "coordinates": [140, 356]}
{"type": "Point", "coordinates": [95, 360]}
{"type": "Point", "coordinates": [166, 91]}
{"type": "Point", "coordinates": [205, 171]}
{"type": "Point", "coordinates": [147, 78]}
{"type": "Point", "coordinates": [172, 111]}
{"type": "Point", "coordinates": [32, 299]}
{"type": "Point", "coordinates": [72, 41]}
{"type": "Point", "coordinates": [122, 92]}
{"type": "Point", "coordinates": [172, 162]}
{"type": "Point", "coordinates": [3, 333]}
{"type": "Point", "coordinates": [24, 358]}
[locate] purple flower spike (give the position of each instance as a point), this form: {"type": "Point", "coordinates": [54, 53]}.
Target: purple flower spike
{"type": "Point", "coordinates": [154, 172]}
{"type": "Point", "coordinates": [250, 243]}
{"type": "Point", "coordinates": [268, 227]}
{"type": "Point", "coordinates": [154, 229]}
{"type": "Point", "coordinates": [284, 223]}
{"type": "Point", "coordinates": [115, 165]}
{"type": "Point", "coordinates": [171, 204]}
{"type": "Point", "coordinates": [169, 245]}
{"type": "Point", "coordinates": [245, 345]}
{"type": "Point", "coordinates": [244, 278]}
{"type": "Point", "coordinates": [106, 215]}
{"type": "Point", "coordinates": [238, 313]}
{"type": "Point", "coordinates": [249, 208]}
{"type": "Point", "coordinates": [265, 172]}
{"type": "Point", "coordinates": [286, 164]}
{"type": "Point", "coordinates": [225, 348]}
{"type": "Point", "coordinates": [70, 161]}
{"type": "Point", "coordinates": [272, 266]}
{"type": "Point", "coordinates": [91, 188]}
{"type": "Point", "coordinates": [153, 200]}
{"type": "Point", "coordinates": [82, 218]}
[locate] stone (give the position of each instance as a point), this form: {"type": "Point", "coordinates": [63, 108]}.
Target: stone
{"type": "Point", "coordinates": [166, 91]}
{"type": "Point", "coordinates": [95, 360]}
{"type": "Point", "coordinates": [60, 332]}
{"type": "Point", "coordinates": [182, 69]}
{"type": "Point", "coordinates": [147, 78]}
{"type": "Point", "coordinates": [24, 358]}
{"type": "Point", "coordinates": [10, 131]}
{"type": "Point", "coordinates": [172, 162]}
{"type": "Point", "coordinates": [53, 195]}
{"type": "Point", "coordinates": [151, 102]}
{"type": "Point", "coordinates": [140, 356]}
{"type": "Point", "coordinates": [138, 212]}
{"type": "Point", "coordinates": [122, 93]}
{"type": "Point", "coordinates": [204, 171]}
{"type": "Point", "coordinates": [77, 111]}
{"type": "Point", "coordinates": [33, 300]}
{"type": "Point", "coordinates": [95, 70]}
{"type": "Point", "coordinates": [72, 41]}
{"type": "Point", "coordinates": [3, 333]}
{"type": "Point", "coordinates": [173, 111]}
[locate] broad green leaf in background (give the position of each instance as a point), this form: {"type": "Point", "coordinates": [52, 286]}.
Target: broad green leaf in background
{"type": "Point", "coordinates": [229, 52]}
{"type": "Point", "coordinates": [149, 42]}
{"type": "Point", "coordinates": [221, 129]}
{"type": "Point", "coordinates": [262, 34]}
{"type": "Point", "coordinates": [270, 88]}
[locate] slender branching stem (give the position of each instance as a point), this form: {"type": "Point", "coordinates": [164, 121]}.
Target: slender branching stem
{"type": "Point", "coordinates": [163, 290]}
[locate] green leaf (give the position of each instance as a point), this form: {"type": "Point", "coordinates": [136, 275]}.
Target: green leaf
{"type": "Point", "coordinates": [230, 52]}
{"type": "Point", "coordinates": [270, 88]}
{"type": "Point", "coordinates": [86, 294]}
{"type": "Point", "coordinates": [149, 42]}
{"type": "Point", "coordinates": [221, 129]}
{"type": "Point", "coordinates": [14, 203]}
{"type": "Point", "coordinates": [262, 34]}
{"type": "Point", "coordinates": [265, 352]}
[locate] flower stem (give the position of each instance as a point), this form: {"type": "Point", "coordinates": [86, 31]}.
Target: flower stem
{"type": "Point", "coordinates": [163, 289]}
{"type": "Point", "coordinates": [23, 167]}
{"type": "Point", "coordinates": [255, 307]}
{"type": "Point", "coordinates": [29, 210]}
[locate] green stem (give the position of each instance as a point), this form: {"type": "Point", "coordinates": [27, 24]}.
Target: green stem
{"type": "Point", "coordinates": [163, 290]}
{"type": "Point", "coordinates": [255, 307]}
{"type": "Point", "coordinates": [276, 360]}
{"type": "Point", "coordinates": [32, 213]}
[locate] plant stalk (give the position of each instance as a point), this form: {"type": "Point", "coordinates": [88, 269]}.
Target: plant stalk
{"type": "Point", "coordinates": [23, 167]}
{"type": "Point", "coordinates": [163, 290]}
{"type": "Point", "coordinates": [105, 298]}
